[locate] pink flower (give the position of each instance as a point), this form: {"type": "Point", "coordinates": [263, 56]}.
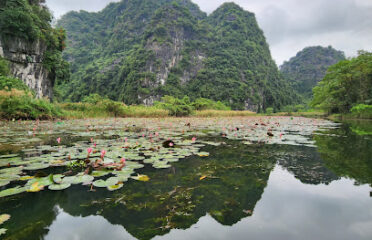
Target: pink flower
{"type": "Point", "coordinates": [126, 139]}
{"type": "Point", "coordinates": [59, 140]}
{"type": "Point", "coordinates": [157, 134]}
{"type": "Point", "coordinates": [89, 150]}
{"type": "Point", "coordinates": [122, 161]}
{"type": "Point", "coordinates": [95, 144]}
{"type": "Point", "coordinates": [171, 144]}
{"type": "Point", "coordinates": [103, 153]}
{"type": "Point", "coordinates": [193, 139]}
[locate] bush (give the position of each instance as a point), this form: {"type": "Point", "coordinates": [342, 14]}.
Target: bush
{"type": "Point", "coordinates": [176, 107]}
{"type": "Point", "coordinates": [18, 102]}
{"type": "Point", "coordinates": [4, 67]}
{"type": "Point", "coordinates": [207, 104]}
{"type": "Point", "coordinates": [362, 111]}
{"type": "Point", "coordinates": [269, 111]}
{"type": "Point", "coordinates": [116, 108]}
{"type": "Point", "coordinates": [27, 107]}
{"type": "Point", "coordinates": [8, 83]}
{"type": "Point", "coordinates": [93, 98]}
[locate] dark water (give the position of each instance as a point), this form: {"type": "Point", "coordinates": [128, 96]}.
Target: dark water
{"type": "Point", "coordinates": [252, 192]}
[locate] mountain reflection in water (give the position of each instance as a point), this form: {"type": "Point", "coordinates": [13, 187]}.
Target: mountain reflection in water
{"type": "Point", "coordinates": [252, 191]}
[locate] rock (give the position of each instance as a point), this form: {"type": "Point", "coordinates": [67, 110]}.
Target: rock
{"type": "Point", "coordinates": [26, 64]}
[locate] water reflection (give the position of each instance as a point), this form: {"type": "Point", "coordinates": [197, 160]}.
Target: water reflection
{"type": "Point", "coordinates": [254, 191]}
{"type": "Point", "coordinates": [288, 210]}
{"type": "Point", "coordinates": [66, 226]}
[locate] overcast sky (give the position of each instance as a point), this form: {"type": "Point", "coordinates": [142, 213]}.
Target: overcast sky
{"type": "Point", "coordinates": [289, 25]}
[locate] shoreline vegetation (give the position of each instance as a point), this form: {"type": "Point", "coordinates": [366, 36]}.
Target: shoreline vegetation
{"type": "Point", "coordinates": [18, 102]}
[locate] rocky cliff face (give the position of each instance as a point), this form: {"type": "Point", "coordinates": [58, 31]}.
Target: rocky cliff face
{"type": "Point", "coordinates": [170, 47]}
{"type": "Point", "coordinates": [26, 64]}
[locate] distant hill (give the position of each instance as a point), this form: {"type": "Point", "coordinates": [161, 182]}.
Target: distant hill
{"type": "Point", "coordinates": [309, 67]}
{"type": "Point", "coordinates": [136, 51]}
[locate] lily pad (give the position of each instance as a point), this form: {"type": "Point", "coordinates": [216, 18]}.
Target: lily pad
{"type": "Point", "coordinates": [99, 183]}
{"type": "Point", "coordinates": [142, 178]}
{"type": "Point", "coordinates": [4, 183]}
{"type": "Point", "coordinates": [99, 173]}
{"type": "Point", "coordinates": [58, 178]}
{"type": "Point", "coordinates": [26, 178]}
{"type": "Point", "coordinates": [35, 187]}
{"type": "Point", "coordinates": [56, 187]}
{"type": "Point", "coordinates": [12, 191]}
{"type": "Point", "coordinates": [2, 231]}
{"type": "Point", "coordinates": [115, 187]}
{"type": "Point", "coordinates": [36, 166]}
{"type": "Point", "coordinates": [203, 154]}
{"type": "Point", "coordinates": [4, 218]}
{"type": "Point", "coordinates": [112, 181]}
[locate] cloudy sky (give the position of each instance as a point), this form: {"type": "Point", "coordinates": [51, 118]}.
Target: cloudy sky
{"type": "Point", "coordinates": [289, 25]}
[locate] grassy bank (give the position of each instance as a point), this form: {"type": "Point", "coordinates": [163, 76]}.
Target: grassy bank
{"type": "Point", "coordinates": [105, 110]}
{"type": "Point", "coordinates": [99, 110]}
{"type": "Point", "coordinates": [222, 113]}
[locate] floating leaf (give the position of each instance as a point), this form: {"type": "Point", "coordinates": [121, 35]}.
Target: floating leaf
{"type": "Point", "coordinates": [36, 187]}
{"type": "Point", "coordinates": [26, 178]}
{"type": "Point", "coordinates": [4, 218]}
{"type": "Point", "coordinates": [81, 178]}
{"type": "Point", "coordinates": [4, 183]}
{"type": "Point", "coordinates": [2, 231]}
{"type": "Point", "coordinates": [45, 181]}
{"type": "Point", "coordinates": [115, 187]}
{"type": "Point", "coordinates": [58, 178]}
{"type": "Point", "coordinates": [203, 154]}
{"type": "Point", "coordinates": [36, 166]}
{"type": "Point", "coordinates": [99, 173]}
{"type": "Point", "coordinates": [99, 183]}
{"type": "Point", "coordinates": [143, 178]}
{"type": "Point", "coordinates": [56, 187]}
{"type": "Point", "coordinates": [12, 191]}
{"type": "Point", "coordinates": [112, 181]}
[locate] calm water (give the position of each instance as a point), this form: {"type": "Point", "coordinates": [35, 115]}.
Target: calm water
{"type": "Point", "coordinates": [256, 191]}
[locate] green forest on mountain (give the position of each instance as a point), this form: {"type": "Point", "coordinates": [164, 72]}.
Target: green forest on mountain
{"type": "Point", "coordinates": [166, 52]}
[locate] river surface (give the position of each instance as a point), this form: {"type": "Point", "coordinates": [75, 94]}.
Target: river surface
{"type": "Point", "coordinates": [231, 178]}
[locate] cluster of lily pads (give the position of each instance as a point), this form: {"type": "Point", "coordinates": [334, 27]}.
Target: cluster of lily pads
{"type": "Point", "coordinates": [3, 219]}
{"type": "Point", "coordinates": [108, 152]}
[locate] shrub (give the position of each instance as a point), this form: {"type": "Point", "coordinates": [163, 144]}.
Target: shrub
{"type": "Point", "coordinates": [116, 108]}
{"type": "Point", "coordinates": [362, 111]}
{"type": "Point", "coordinates": [27, 107]}
{"type": "Point", "coordinates": [269, 110]}
{"type": "Point", "coordinates": [207, 104]}
{"type": "Point", "coordinates": [93, 98]}
{"type": "Point", "coordinates": [176, 107]}
{"type": "Point", "coordinates": [4, 67]}
{"type": "Point", "coordinates": [8, 83]}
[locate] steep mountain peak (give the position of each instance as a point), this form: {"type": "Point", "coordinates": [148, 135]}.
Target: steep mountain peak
{"type": "Point", "coordinates": [137, 51]}
{"type": "Point", "coordinates": [309, 66]}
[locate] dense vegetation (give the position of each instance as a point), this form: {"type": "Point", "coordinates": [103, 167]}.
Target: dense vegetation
{"type": "Point", "coordinates": [30, 21]}
{"type": "Point", "coordinates": [309, 67]}
{"type": "Point", "coordinates": [138, 51]}
{"type": "Point", "coordinates": [346, 87]}
{"type": "Point", "coordinates": [17, 101]}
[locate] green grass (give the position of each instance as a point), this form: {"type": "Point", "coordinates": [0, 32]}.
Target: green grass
{"type": "Point", "coordinates": [223, 113]}
{"type": "Point", "coordinates": [26, 107]}
{"type": "Point", "coordinates": [104, 110]}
